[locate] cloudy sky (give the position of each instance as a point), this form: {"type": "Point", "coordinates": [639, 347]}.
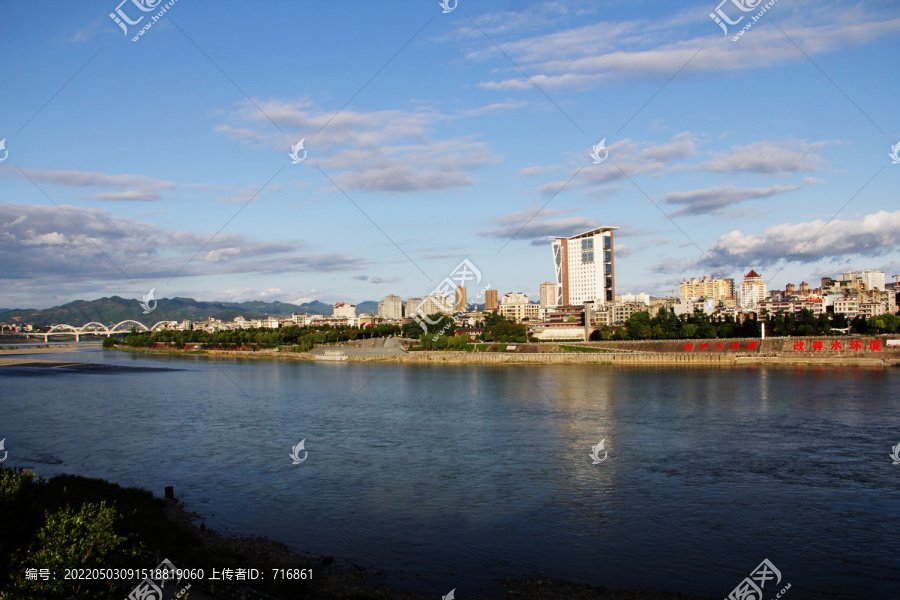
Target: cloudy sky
{"type": "Point", "coordinates": [434, 137]}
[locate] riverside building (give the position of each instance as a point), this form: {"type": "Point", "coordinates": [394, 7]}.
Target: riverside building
{"type": "Point", "coordinates": [585, 267]}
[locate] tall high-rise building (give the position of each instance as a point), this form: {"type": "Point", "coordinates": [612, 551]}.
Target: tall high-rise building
{"type": "Point", "coordinates": [409, 308]}
{"type": "Point", "coordinates": [753, 290]}
{"type": "Point", "coordinates": [491, 300]}
{"type": "Point", "coordinates": [391, 307]}
{"type": "Point", "coordinates": [435, 303]}
{"type": "Point", "coordinates": [584, 266]}
{"type": "Point", "coordinates": [548, 294]}
{"type": "Point", "coordinates": [461, 303]}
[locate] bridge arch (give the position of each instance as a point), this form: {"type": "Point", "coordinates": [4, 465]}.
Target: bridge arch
{"type": "Point", "coordinates": [62, 327]}
{"type": "Point", "coordinates": [162, 325]}
{"type": "Point", "coordinates": [97, 325]}
{"type": "Point", "coordinates": [139, 325]}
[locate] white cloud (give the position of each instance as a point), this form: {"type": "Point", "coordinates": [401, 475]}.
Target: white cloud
{"type": "Point", "coordinates": [715, 199]}
{"type": "Point", "coordinates": [766, 158]}
{"type": "Point", "coordinates": [41, 246]}
{"type": "Point", "coordinates": [524, 225]}
{"type": "Point", "coordinates": [585, 56]}
{"type": "Point", "coordinates": [132, 187]}
{"type": "Point", "coordinates": [872, 235]}
{"type": "Point", "coordinates": [222, 254]}
{"type": "Point", "coordinates": [387, 151]}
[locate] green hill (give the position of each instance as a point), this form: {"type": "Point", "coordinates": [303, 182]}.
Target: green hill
{"type": "Point", "coordinates": [115, 309]}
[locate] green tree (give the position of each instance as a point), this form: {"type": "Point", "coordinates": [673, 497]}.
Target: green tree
{"type": "Point", "coordinates": [688, 330]}
{"type": "Point", "coordinates": [411, 330]}
{"type": "Point", "coordinates": [492, 318]}
{"type": "Point", "coordinates": [706, 331]}
{"type": "Point", "coordinates": [508, 331]}
{"type": "Point", "coordinates": [73, 538]}
{"type": "Point", "coordinates": [638, 326]}
{"type": "Point", "coordinates": [20, 518]}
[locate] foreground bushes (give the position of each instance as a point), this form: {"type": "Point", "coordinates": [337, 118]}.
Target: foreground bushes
{"type": "Point", "coordinates": [73, 522]}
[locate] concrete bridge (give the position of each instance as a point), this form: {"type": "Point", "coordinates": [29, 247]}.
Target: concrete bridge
{"type": "Point", "coordinates": [95, 328]}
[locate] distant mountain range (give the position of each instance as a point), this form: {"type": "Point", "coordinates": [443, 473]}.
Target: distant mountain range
{"type": "Point", "coordinates": [115, 309]}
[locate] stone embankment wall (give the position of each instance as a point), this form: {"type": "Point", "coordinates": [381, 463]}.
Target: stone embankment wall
{"type": "Point", "coordinates": [567, 358]}
{"type": "Point", "coordinates": [649, 358]}
{"type": "Point", "coordinates": [811, 346]}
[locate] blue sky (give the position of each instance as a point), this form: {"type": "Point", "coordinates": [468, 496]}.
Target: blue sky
{"type": "Point", "coordinates": [163, 163]}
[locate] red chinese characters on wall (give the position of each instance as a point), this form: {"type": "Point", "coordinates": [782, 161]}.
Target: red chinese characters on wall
{"type": "Point", "coordinates": [837, 345]}
{"type": "Point", "coordinates": [689, 346]}
{"type": "Point", "coordinates": [799, 346]}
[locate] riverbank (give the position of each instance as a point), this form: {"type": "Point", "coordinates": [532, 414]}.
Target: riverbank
{"type": "Point", "coordinates": [43, 349]}
{"type": "Point", "coordinates": [633, 358]}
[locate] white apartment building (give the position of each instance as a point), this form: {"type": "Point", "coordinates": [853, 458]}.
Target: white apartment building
{"type": "Point", "coordinates": [514, 298]}
{"type": "Point", "coordinates": [872, 309]}
{"type": "Point", "coordinates": [634, 298]}
{"type": "Point", "coordinates": [753, 290]}
{"type": "Point", "coordinates": [391, 307]}
{"type": "Point", "coordinates": [848, 306]}
{"type": "Point", "coordinates": [430, 305]}
{"type": "Point", "coordinates": [519, 312]}
{"type": "Point", "coordinates": [866, 280]}
{"type": "Point", "coordinates": [265, 323]}
{"type": "Point", "coordinates": [344, 310]}
{"type": "Point", "coordinates": [584, 267]}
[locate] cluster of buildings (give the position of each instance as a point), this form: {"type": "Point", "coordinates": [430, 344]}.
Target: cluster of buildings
{"type": "Point", "coordinates": [343, 315]}
{"type": "Point", "coordinates": [852, 294]}
{"type": "Point", "coordinates": [582, 297]}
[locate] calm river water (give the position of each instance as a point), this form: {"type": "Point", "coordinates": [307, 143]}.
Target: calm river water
{"type": "Point", "coordinates": [450, 476]}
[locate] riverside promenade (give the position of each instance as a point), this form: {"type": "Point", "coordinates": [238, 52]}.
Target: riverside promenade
{"type": "Point", "coordinates": [860, 351]}
{"type": "Point", "coordinates": [824, 351]}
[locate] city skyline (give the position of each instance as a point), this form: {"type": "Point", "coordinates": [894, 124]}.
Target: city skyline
{"type": "Point", "coordinates": [476, 134]}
